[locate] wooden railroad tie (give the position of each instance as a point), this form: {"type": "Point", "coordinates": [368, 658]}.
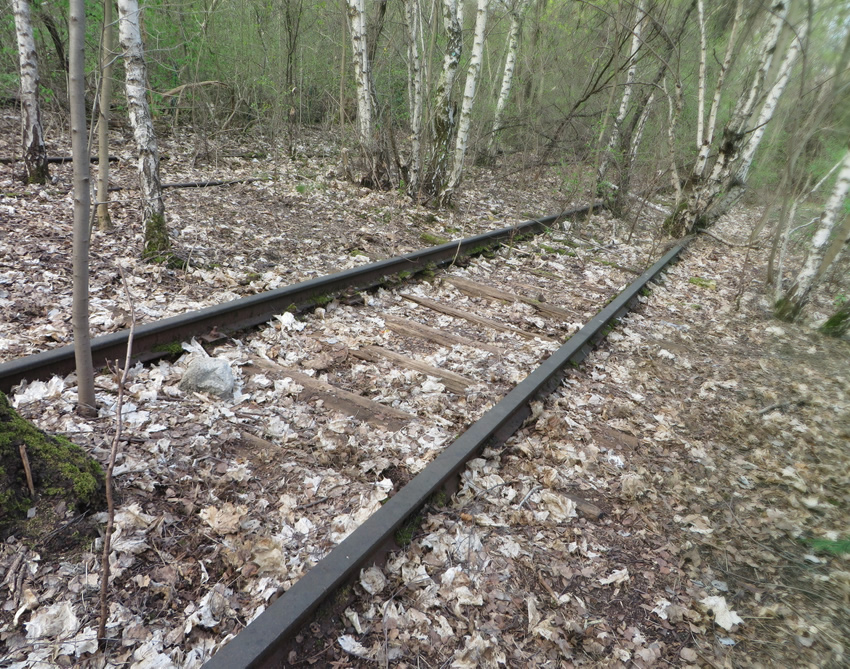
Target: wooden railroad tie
{"type": "Point", "coordinates": [410, 328]}
{"type": "Point", "coordinates": [454, 382]}
{"type": "Point", "coordinates": [344, 401]}
{"type": "Point", "coordinates": [474, 289]}
{"type": "Point", "coordinates": [473, 318]}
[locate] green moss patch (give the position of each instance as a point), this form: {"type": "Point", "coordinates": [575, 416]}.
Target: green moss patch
{"type": "Point", "coordinates": [64, 477]}
{"type": "Point", "coordinates": [711, 284]}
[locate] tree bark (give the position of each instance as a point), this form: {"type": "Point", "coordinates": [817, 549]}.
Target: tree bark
{"type": "Point", "coordinates": [86, 402]}
{"type": "Point", "coordinates": [443, 121]}
{"type": "Point", "coordinates": [705, 191]}
{"type": "Point", "coordinates": [157, 245]}
{"type": "Point", "coordinates": [607, 153]}
{"type": "Point", "coordinates": [362, 73]}
{"type": "Point", "coordinates": [465, 121]}
{"type": "Point", "coordinates": [107, 54]}
{"type": "Point", "coordinates": [790, 306]}
{"type": "Point", "coordinates": [413, 25]}
{"type": "Point", "coordinates": [34, 151]}
{"type": "Point", "coordinates": [517, 11]}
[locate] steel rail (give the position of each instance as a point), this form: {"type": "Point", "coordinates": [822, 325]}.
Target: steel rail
{"type": "Point", "coordinates": [263, 641]}
{"type": "Point", "coordinates": [251, 311]}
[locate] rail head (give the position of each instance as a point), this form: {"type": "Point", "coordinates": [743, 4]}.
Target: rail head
{"type": "Point", "coordinates": [261, 643]}
{"type": "Point", "coordinates": [253, 310]}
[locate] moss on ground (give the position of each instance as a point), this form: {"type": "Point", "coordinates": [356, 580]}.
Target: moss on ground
{"type": "Point", "coordinates": [61, 472]}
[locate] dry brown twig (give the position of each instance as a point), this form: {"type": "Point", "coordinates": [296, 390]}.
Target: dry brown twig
{"type": "Point", "coordinates": [104, 576]}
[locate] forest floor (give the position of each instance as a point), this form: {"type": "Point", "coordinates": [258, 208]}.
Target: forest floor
{"type": "Point", "coordinates": [715, 439]}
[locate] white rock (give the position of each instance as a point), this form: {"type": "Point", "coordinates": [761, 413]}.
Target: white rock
{"type": "Point", "coordinates": [208, 375]}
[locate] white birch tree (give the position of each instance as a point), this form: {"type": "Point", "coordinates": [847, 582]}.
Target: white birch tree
{"type": "Point", "coordinates": [106, 59]}
{"type": "Point", "coordinates": [443, 118]}
{"type": "Point", "coordinates": [86, 403]}
{"type": "Point", "coordinates": [362, 75]}
{"type": "Point", "coordinates": [607, 153]}
{"type": "Point", "coordinates": [413, 27]}
{"type": "Point", "coordinates": [738, 183]}
{"type": "Point", "coordinates": [705, 191]}
{"type": "Point", "coordinates": [797, 295]}
{"type": "Point", "coordinates": [516, 10]}
{"type": "Point", "coordinates": [472, 73]}
{"type": "Point", "coordinates": [34, 151]}
{"type": "Point", "coordinates": [157, 245]}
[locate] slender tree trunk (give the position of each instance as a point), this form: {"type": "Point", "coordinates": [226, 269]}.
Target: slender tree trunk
{"type": "Point", "coordinates": [472, 73]}
{"type": "Point", "coordinates": [86, 403]}
{"type": "Point", "coordinates": [517, 11]}
{"type": "Point", "coordinates": [107, 55]}
{"type": "Point", "coordinates": [35, 153]}
{"type": "Point", "coordinates": [708, 133]}
{"type": "Point", "coordinates": [738, 184]}
{"type": "Point", "coordinates": [157, 245]}
{"type": "Point", "coordinates": [797, 295]}
{"type": "Point", "coordinates": [674, 111]}
{"type": "Point", "coordinates": [443, 121]}
{"type": "Point", "coordinates": [362, 74]}
{"type": "Point", "coordinates": [706, 190]}
{"type": "Point", "coordinates": [703, 50]}
{"type": "Point", "coordinates": [413, 24]}
{"type": "Point", "coordinates": [607, 153]}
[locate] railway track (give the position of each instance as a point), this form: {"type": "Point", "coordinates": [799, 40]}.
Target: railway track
{"type": "Point", "coordinates": [375, 392]}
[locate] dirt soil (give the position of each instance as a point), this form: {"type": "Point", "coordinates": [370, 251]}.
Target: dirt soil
{"type": "Point", "coordinates": [714, 439]}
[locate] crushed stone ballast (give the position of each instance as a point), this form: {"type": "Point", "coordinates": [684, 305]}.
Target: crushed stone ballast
{"type": "Point", "coordinates": [152, 339]}
{"type": "Point", "coordinates": [264, 641]}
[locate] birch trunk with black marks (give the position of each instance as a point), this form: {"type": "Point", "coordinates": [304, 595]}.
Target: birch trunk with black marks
{"type": "Point", "coordinates": [607, 153]}
{"type": "Point", "coordinates": [516, 11]}
{"type": "Point", "coordinates": [472, 73]}
{"type": "Point", "coordinates": [360, 52]}
{"type": "Point", "coordinates": [706, 136]}
{"type": "Point", "coordinates": [34, 151]}
{"type": "Point", "coordinates": [107, 54]}
{"type": "Point", "coordinates": [738, 183]}
{"type": "Point", "coordinates": [705, 191]}
{"type": "Point", "coordinates": [366, 107]}
{"type": "Point", "coordinates": [443, 120]}
{"type": "Point", "coordinates": [157, 245]}
{"type": "Point", "coordinates": [790, 306]}
{"type": "Point", "coordinates": [413, 26]}
{"type": "Point", "coordinates": [86, 403]}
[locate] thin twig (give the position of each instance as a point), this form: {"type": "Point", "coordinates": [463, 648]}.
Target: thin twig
{"type": "Point", "coordinates": [104, 577]}
{"type": "Point", "coordinates": [728, 243]}
{"type": "Point", "coordinates": [25, 459]}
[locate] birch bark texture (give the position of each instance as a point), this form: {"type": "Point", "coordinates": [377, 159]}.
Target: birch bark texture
{"type": "Point", "coordinates": [443, 119]}
{"type": "Point", "coordinates": [156, 245]}
{"type": "Point", "coordinates": [472, 74]}
{"type": "Point", "coordinates": [362, 74]}
{"type": "Point", "coordinates": [104, 222]}
{"type": "Point", "coordinates": [86, 403]}
{"type": "Point", "coordinates": [516, 10]}
{"type": "Point", "coordinates": [607, 154]}
{"type": "Point", "coordinates": [34, 151]}
{"type": "Point", "coordinates": [791, 305]}
{"type": "Point", "coordinates": [413, 28]}
{"type": "Point", "coordinates": [701, 210]}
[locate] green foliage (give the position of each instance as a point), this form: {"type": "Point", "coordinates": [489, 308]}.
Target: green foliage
{"type": "Point", "coordinates": [171, 348]}
{"type": "Point", "coordinates": [433, 240]}
{"type": "Point", "coordinates": [841, 547]}
{"type": "Point", "coordinates": [711, 284]}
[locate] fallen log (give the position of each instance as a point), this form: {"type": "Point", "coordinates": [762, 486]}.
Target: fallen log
{"type": "Point", "coordinates": [7, 160]}
{"type": "Point", "coordinates": [195, 184]}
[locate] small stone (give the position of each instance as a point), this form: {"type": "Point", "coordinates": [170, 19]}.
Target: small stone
{"type": "Point", "coordinates": [208, 375]}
